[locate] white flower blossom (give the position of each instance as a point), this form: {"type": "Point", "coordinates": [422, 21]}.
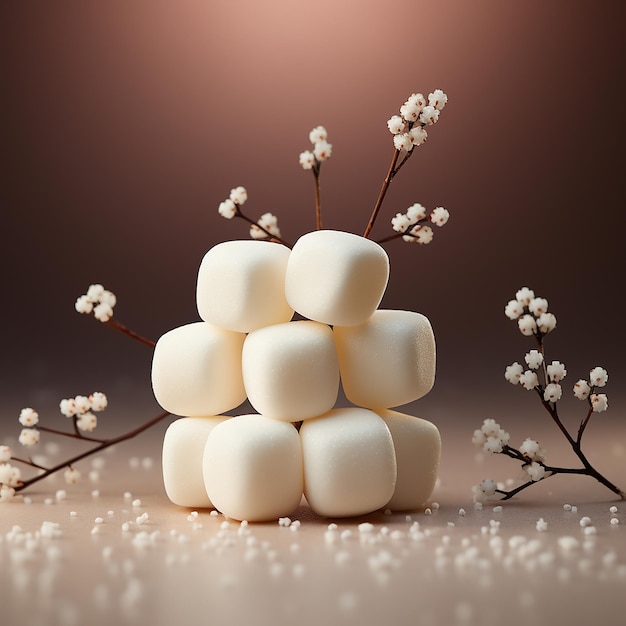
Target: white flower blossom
{"type": "Point", "coordinates": [599, 402]}
{"type": "Point", "coordinates": [87, 422]}
{"type": "Point", "coordinates": [493, 444]}
{"type": "Point", "coordinates": [535, 471]}
{"type": "Point", "coordinates": [6, 474]}
{"type": "Point", "coordinates": [556, 371]}
{"type": "Point", "coordinates": [598, 377]}
{"type": "Point", "coordinates": [437, 99]}
{"type": "Point", "coordinates": [98, 401]}
{"type": "Point", "coordinates": [513, 309]}
{"type": "Point", "coordinates": [307, 160]}
{"type": "Point", "coordinates": [28, 417]}
{"type": "Point", "coordinates": [490, 427]}
{"type": "Point", "coordinates": [71, 475]}
{"type": "Point", "coordinates": [396, 125]}
{"type": "Point", "coordinates": [68, 407]}
{"type": "Point", "coordinates": [94, 292]}
{"type": "Point", "coordinates": [534, 359]}
{"type": "Point", "coordinates": [84, 304]}
{"type": "Point", "coordinates": [416, 212]}
{"type": "Point", "coordinates": [546, 323]}
{"type": "Point", "coordinates": [403, 141]}
{"type": "Point", "coordinates": [5, 454]}
{"type": "Point", "coordinates": [420, 234]}
{"type": "Point", "coordinates": [238, 195]}
{"type": "Point", "coordinates": [429, 115]}
{"type": "Point", "coordinates": [103, 312]}
{"type": "Point", "coordinates": [532, 450]}
{"type": "Point", "coordinates": [410, 111]}
{"type": "Point", "coordinates": [524, 295]}
{"type": "Point", "coordinates": [485, 490]}
{"type": "Point", "coordinates": [82, 404]}
{"type": "Point", "coordinates": [318, 134]}
{"type": "Point", "coordinates": [439, 216]}
{"type": "Point", "coordinates": [6, 493]}
{"type": "Point", "coordinates": [322, 150]}
{"type": "Point", "coordinates": [29, 436]}
{"type": "Point", "coordinates": [267, 221]}
{"type": "Point", "coordinates": [537, 306]}
{"type": "Point", "coordinates": [528, 380]}
{"type": "Point", "coordinates": [527, 325]}
{"type": "Point", "coordinates": [582, 389]}
{"type": "Point", "coordinates": [552, 392]}
{"type": "Point", "coordinates": [227, 209]}
{"type": "Point", "coordinates": [418, 135]}
{"type": "Point", "coordinates": [479, 438]}
{"type": "Point", "coordinates": [513, 372]}
{"type": "Point", "coordinates": [108, 297]}
{"type": "Point", "coordinates": [400, 222]}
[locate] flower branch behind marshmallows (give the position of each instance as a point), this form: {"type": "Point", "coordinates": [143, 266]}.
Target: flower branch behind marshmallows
{"type": "Point", "coordinates": [534, 320]}
{"type": "Point", "coordinates": [409, 131]}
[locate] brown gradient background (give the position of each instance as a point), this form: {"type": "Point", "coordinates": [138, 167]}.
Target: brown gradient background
{"type": "Point", "coordinates": [124, 124]}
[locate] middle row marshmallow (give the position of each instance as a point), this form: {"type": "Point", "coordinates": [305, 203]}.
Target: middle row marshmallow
{"type": "Point", "coordinates": [291, 371]}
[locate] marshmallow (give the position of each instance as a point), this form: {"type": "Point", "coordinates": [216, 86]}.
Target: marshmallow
{"type": "Point", "coordinates": [349, 462]}
{"type": "Point", "coordinates": [418, 451]}
{"type": "Point", "coordinates": [241, 285]}
{"type": "Point", "coordinates": [196, 370]}
{"type": "Point", "coordinates": [290, 371]}
{"type": "Point", "coordinates": [252, 468]}
{"type": "Point", "coordinates": [387, 361]}
{"type": "Point", "coordinates": [183, 449]}
{"type": "Point", "coordinates": [336, 277]}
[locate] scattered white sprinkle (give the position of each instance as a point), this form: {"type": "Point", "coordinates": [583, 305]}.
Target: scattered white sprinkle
{"type": "Point", "coordinates": [614, 521]}
{"type": "Point", "coordinates": [366, 527]}
{"type": "Point", "coordinates": [590, 530]}
{"type": "Point", "coordinates": [147, 462]}
{"type": "Point", "coordinates": [27, 500]}
{"type": "Point", "coordinates": [214, 513]}
{"type": "Point", "coordinates": [613, 509]}
{"type": "Point", "coordinates": [48, 501]}
{"type": "Point", "coordinates": [60, 495]}
{"type": "Point", "coordinates": [497, 509]}
{"type": "Point", "coordinates": [136, 502]}
{"type": "Point", "coordinates": [585, 521]}
{"type": "Point", "coordinates": [346, 534]}
{"type": "Point", "coordinates": [428, 512]}
{"type": "Point", "coordinates": [98, 520]}
{"type": "Point", "coordinates": [462, 512]}
{"type": "Point", "coordinates": [541, 525]}
{"type": "Point", "coordinates": [95, 530]}
{"type": "Point", "coordinates": [435, 506]}
{"type": "Point", "coordinates": [574, 508]}
{"type": "Point", "coordinates": [567, 507]}
{"type": "Point", "coordinates": [295, 525]}
{"type": "Point", "coordinates": [332, 526]}
{"type": "Point", "coordinates": [568, 543]}
{"type": "Point", "coordinates": [110, 513]}
{"type": "Point", "coordinates": [95, 493]}
{"type": "Point", "coordinates": [128, 495]}
{"type": "Point", "coordinates": [408, 518]}
{"type": "Point", "coordinates": [478, 506]}
{"type": "Point", "coordinates": [387, 511]}
{"type": "Point", "coordinates": [73, 514]}
{"type": "Point", "coordinates": [284, 521]}
{"type": "Point", "coordinates": [125, 527]}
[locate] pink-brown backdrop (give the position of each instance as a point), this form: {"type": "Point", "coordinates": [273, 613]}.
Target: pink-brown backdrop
{"type": "Point", "coordinates": [124, 124]}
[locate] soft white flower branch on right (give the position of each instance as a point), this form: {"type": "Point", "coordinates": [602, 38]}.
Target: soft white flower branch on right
{"type": "Point", "coordinates": [534, 320]}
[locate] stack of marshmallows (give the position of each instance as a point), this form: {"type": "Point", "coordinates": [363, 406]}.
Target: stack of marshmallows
{"type": "Point", "coordinates": [345, 461]}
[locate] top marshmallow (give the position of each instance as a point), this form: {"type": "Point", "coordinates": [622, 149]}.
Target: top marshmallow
{"type": "Point", "coordinates": [241, 285]}
{"type": "Point", "coordinates": [335, 277]}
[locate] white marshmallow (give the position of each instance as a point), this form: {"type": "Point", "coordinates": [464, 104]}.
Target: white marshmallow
{"type": "Point", "coordinates": [183, 450]}
{"type": "Point", "coordinates": [196, 370]}
{"type": "Point", "coordinates": [336, 277]}
{"type": "Point", "coordinates": [241, 285]}
{"type": "Point", "coordinates": [387, 361]}
{"type": "Point", "coordinates": [349, 462]}
{"type": "Point", "coordinates": [418, 451]}
{"type": "Point", "coordinates": [290, 371]}
{"type": "Point", "coordinates": [252, 468]}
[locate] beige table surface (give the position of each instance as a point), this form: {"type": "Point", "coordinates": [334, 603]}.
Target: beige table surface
{"type": "Point", "coordinates": [151, 562]}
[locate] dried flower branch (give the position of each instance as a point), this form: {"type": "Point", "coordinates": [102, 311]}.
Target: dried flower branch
{"type": "Point", "coordinates": [80, 410]}
{"type": "Point", "coordinates": [534, 320]}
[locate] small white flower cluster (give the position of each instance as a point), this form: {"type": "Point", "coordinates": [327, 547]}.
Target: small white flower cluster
{"type": "Point", "coordinates": [322, 150]}
{"type": "Point", "coordinates": [485, 490]}
{"type": "Point", "coordinates": [230, 207]}
{"type": "Point", "coordinates": [412, 226]}
{"type": "Point", "coordinates": [269, 222]}
{"type": "Point", "coordinates": [416, 113]}
{"type": "Point", "coordinates": [598, 377]}
{"type": "Point", "coordinates": [531, 313]}
{"type": "Point", "coordinates": [491, 437]}
{"type": "Point", "coordinates": [10, 476]}
{"type": "Point", "coordinates": [98, 301]}
{"type": "Point", "coordinates": [81, 407]}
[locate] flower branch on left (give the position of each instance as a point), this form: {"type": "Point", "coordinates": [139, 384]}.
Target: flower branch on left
{"type": "Point", "coordinates": [81, 410]}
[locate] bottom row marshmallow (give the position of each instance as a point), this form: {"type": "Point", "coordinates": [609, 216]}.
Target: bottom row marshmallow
{"type": "Point", "coordinates": [347, 462]}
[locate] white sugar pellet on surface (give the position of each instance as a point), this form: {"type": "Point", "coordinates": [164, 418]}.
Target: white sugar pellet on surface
{"type": "Point", "coordinates": [183, 451]}
{"type": "Point", "coordinates": [335, 277]}
{"type": "Point", "coordinates": [241, 285]}
{"type": "Point", "coordinates": [613, 509]}
{"type": "Point", "coordinates": [252, 468]}
{"type": "Point", "coordinates": [196, 370]}
{"type": "Point", "coordinates": [290, 371]}
{"type": "Point", "coordinates": [403, 368]}
{"type": "Point", "coordinates": [614, 521]}
{"type": "Point", "coordinates": [349, 462]}
{"type": "Point", "coordinates": [417, 446]}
